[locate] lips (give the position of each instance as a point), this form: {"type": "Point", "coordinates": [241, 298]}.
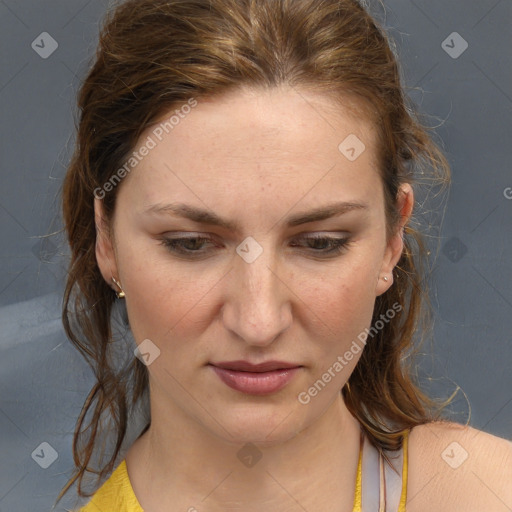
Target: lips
{"type": "Point", "coordinates": [245, 366]}
{"type": "Point", "coordinates": [255, 379]}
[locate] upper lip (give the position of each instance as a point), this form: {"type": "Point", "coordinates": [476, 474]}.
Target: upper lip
{"type": "Point", "coordinates": [246, 366]}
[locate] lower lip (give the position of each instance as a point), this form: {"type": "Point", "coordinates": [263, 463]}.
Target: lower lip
{"type": "Point", "coordinates": [256, 383]}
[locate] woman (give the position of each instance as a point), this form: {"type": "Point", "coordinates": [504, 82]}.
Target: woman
{"type": "Point", "coordinates": [243, 181]}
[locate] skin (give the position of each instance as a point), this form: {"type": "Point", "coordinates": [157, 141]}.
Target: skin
{"type": "Point", "coordinates": [255, 157]}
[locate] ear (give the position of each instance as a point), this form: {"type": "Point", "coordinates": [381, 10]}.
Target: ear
{"type": "Point", "coordinates": [395, 245]}
{"type": "Point", "coordinates": [105, 255]}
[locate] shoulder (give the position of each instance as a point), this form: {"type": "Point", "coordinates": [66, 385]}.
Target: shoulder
{"type": "Point", "coordinates": [458, 467]}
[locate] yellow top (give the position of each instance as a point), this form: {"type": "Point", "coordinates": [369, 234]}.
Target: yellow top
{"type": "Point", "coordinates": [116, 494]}
{"type": "Point", "coordinates": [403, 496]}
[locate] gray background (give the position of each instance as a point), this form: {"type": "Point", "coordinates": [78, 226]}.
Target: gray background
{"type": "Point", "coordinates": [469, 98]}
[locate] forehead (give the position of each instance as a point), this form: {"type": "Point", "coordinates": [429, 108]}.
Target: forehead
{"type": "Point", "coordinates": [279, 140]}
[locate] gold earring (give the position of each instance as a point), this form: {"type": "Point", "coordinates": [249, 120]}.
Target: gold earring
{"type": "Point", "coordinates": [121, 294]}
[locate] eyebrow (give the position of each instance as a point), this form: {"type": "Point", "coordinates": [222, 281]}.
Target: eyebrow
{"type": "Point", "coordinates": [202, 216]}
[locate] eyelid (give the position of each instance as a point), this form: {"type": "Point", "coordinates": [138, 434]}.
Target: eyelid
{"type": "Point", "coordinates": [331, 234]}
{"type": "Point", "coordinates": [302, 234]}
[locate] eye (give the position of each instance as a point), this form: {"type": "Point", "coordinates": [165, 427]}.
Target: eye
{"type": "Point", "coordinates": [325, 245]}
{"type": "Point", "coordinates": [187, 246]}
{"type": "Point", "coordinates": [319, 245]}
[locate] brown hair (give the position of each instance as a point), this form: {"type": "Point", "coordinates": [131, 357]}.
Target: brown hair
{"type": "Point", "coordinates": [154, 55]}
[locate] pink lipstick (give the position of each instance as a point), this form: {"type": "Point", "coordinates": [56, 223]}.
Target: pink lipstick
{"type": "Point", "coordinates": [255, 379]}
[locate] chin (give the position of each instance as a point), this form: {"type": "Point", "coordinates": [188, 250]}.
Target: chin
{"type": "Point", "coordinates": [260, 425]}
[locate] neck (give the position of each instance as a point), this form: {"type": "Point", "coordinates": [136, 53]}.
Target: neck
{"type": "Point", "coordinates": [179, 461]}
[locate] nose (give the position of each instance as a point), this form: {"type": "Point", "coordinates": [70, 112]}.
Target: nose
{"type": "Point", "coordinates": [257, 306]}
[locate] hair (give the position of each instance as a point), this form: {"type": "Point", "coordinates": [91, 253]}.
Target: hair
{"type": "Point", "coordinates": [154, 55]}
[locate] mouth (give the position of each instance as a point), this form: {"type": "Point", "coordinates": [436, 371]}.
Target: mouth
{"type": "Point", "coordinates": [255, 379]}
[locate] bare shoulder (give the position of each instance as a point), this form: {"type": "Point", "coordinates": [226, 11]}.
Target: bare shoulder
{"type": "Point", "coordinates": [457, 467]}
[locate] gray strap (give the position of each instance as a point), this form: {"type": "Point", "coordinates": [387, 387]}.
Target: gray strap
{"type": "Point", "coordinates": [377, 473]}
{"type": "Point", "coordinates": [393, 480]}
{"type": "Point", "coordinates": [370, 478]}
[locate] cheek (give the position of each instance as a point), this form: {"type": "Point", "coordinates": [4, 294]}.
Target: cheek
{"type": "Point", "coordinates": [342, 304]}
{"type": "Point", "coordinates": [169, 306]}
{"type": "Point", "coordinates": [345, 292]}
{"type": "Point", "coordinates": [163, 299]}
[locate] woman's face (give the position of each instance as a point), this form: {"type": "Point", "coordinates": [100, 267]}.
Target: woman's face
{"type": "Point", "coordinates": [214, 247]}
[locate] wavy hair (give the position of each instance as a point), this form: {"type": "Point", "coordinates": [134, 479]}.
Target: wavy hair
{"type": "Point", "coordinates": [154, 55]}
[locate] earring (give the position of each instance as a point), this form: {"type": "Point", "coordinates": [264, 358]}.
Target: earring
{"type": "Point", "coordinates": [385, 278]}
{"type": "Point", "coordinates": [121, 294]}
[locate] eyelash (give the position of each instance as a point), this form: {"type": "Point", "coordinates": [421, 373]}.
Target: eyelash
{"type": "Point", "coordinates": [336, 245]}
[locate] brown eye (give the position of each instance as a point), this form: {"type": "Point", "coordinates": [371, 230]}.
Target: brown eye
{"type": "Point", "coordinates": [324, 245]}
{"type": "Point", "coordinates": [192, 245]}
